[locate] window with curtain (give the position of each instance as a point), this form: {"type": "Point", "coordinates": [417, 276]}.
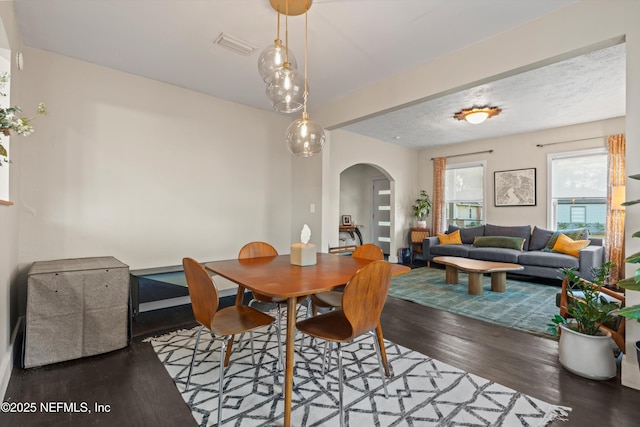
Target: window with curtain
{"type": "Point", "coordinates": [579, 191]}
{"type": "Point", "coordinates": [464, 194]}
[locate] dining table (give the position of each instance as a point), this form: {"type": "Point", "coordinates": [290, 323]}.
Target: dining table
{"type": "Point", "coordinates": [277, 277]}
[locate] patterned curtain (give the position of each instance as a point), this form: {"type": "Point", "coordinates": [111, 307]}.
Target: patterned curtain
{"type": "Point", "coordinates": [439, 167]}
{"type": "Point", "coordinates": [614, 237]}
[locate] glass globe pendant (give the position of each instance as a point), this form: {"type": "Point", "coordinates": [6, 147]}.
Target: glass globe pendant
{"type": "Point", "coordinates": [286, 89]}
{"type": "Point", "coordinates": [272, 58]}
{"type": "Point", "coordinates": [305, 137]}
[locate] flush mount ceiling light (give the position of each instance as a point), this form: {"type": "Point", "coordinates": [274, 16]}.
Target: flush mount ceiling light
{"type": "Point", "coordinates": [286, 86]}
{"type": "Point", "coordinates": [477, 115]}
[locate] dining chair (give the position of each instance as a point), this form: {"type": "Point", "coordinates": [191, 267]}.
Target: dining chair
{"type": "Point", "coordinates": [332, 299]}
{"type": "Point", "coordinates": [223, 323]}
{"type": "Point", "coordinates": [362, 302]}
{"type": "Point", "coordinates": [262, 249]}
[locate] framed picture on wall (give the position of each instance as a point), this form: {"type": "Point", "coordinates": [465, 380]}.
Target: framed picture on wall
{"type": "Point", "coordinates": [515, 187]}
{"type": "Point", "coordinates": [346, 219]}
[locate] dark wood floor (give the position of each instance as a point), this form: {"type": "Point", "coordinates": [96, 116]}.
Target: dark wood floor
{"type": "Point", "coordinates": [139, 391]}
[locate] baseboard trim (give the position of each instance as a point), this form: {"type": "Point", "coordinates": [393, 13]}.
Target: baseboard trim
{"type": "Point", "coordinates": [7, 361]}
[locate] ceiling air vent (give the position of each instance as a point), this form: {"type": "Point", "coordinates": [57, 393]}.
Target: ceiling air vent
{"type": "Point", "coordinates": [234, 44]}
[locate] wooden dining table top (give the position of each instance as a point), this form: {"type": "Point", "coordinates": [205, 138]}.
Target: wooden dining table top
{"type": "Point", "coordinates": [275, 276]}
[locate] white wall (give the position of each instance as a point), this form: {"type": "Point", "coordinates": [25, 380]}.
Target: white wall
{"type": "Point", "coordinates": [398, 163]}
{"type": "Point", "coordinates": [9, 219]}
{"type": "Point", "coordinates": [520, 152]}
{"type": "Point", "coordinates": [145, 171]}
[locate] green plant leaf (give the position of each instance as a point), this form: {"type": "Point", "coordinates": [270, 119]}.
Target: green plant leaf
{"type": "Point", "coordinates": [3, 151]}
{"type": "Point", "coordinates": [632, 312]}
{"type": "Point", "coordinates": [633, 259]}
{"type": "Point", "coordinates": [636, 234]}
{"type": "Point", "coordinates": [630, 283]}
{"type": "Point", "coordinates": [636, 176]}
{"type": "Point", "coordinates": [631, 202]}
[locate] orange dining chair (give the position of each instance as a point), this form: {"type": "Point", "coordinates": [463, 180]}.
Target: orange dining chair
{"type": "Point", "coordinates": [362, 302]}
{"type": "Point", "coordinates": [333, 299]}
{"type": "Point", "coordinates": [263, 249]}
{"type": "Point", "coordinates": [223, 323]}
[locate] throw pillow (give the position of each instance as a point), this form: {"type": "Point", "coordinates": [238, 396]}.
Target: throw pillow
{"type": "Point", "coordinates": [450, 239]}
{"type": "Point", "coordinates": [539, 238]}
{"type": "Point", "coordinates": [499, 242]}
{"type": "Point", "coordinates": [567, 245]}
{"type": "Point", "coordinates": [575, 234]}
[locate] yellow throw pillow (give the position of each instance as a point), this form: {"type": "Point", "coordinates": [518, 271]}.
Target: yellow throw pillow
{"type": "Point", "coordinates": [450, 239]}
{"type": "Point", "coordinates": [567, 245]}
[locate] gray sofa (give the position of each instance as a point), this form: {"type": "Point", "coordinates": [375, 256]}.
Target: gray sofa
{"type": "Point", "coordinates": [536, 259]}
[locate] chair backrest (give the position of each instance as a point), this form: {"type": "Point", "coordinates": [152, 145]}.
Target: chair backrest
{"type": "Point", "coordinates": [368, 251]}
{"type": "Point", "coordinates": [364, 296]}
{"type": "Point", "coordinates": [256, 250]}
{"type": "Point", "coordinates": [202, 291]}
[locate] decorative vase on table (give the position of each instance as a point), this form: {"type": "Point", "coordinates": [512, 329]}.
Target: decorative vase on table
{"type": "Point", "coordinates": [422, 224]}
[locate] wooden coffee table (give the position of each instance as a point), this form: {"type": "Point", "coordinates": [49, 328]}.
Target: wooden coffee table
{"type": "Point", "coordinates": [476, 268]}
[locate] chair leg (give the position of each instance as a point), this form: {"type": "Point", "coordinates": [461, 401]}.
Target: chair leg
{"type": "Point", "coordinates": [221, 385]}
{"type": "Point", "coordinates": [253, 357]}
{"type": "Point", "coordinates": [193, 357]}
{"type": "Point", "coordinates": [378, 345]}
{"type": "Point", "coordinates": [340, 386]}
{"type": "Point", "coordinates": [278, 331]}
{"type": "Point", "coordinates": [324, 358]}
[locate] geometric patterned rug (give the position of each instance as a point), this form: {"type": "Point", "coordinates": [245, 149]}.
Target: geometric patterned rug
{"type": "Point", "coordinates": [422, 391]}
{"type": "Point", "coordinates": [524, 305]}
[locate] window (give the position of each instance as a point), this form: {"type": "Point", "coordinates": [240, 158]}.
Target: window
{"type": "Point", "coordinates": [578, 183]}
{"type": "Point", "coordinates": [464, 194]}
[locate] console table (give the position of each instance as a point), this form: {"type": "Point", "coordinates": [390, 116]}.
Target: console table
{"type": "Point", "coordinates": [351, 229]}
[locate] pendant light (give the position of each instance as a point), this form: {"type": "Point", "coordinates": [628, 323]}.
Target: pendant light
{"type": "Point", "coordinates": [273, 57]}
{"type": "Point", "coordinates": [305, 137]}
{"type": "Point", "coordinates": [286, 87]}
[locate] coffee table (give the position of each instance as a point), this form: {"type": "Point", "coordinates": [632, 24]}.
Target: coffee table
{"type": "Point", "coordinates": [476, 268]}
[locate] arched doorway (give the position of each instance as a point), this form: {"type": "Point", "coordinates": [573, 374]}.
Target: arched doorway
{"type": "Point", "coordinates": [366, 201]}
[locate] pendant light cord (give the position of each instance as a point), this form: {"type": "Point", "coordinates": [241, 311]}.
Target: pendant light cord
{"type": "Point", "coordinates": [286, 31]}
{"type": "Point", "coordinates": [306, 35]}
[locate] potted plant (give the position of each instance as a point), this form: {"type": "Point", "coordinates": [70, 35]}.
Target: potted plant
{"type": "Point", "coordinates": [10, 122]}
{"type": "Point", "coordinates": [421, 208]}
{"type": "Point", "coordinates": [584, 348]}
{"type": "Point", "coordinates": [632, 283]}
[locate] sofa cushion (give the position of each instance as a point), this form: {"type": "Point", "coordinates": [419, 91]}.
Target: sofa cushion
{"type": "Point", "coordinates": [450, 238]}
{"type": "Point", "coordinates": [468, 234]}
{"type": "Point", "coordinates": [566, 245]}
{"type": "Point", "coordinates": [450, 250]}
{"type": "Point", "coordinates": [499, 242]}
{"type": "Point", "coordinates": [548, 259]}
{"type": "Point", "coordinates": [495, 254]}
{"type": "Point", "coordinates": [539, 238]}
{"type": "Point", "coordinates": [574, 234]}
{"type": "Point", "coordinates": [523, 231]}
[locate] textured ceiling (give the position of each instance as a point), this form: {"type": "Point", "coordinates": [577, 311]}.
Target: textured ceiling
{"type": "Point", "coordinates": [578, 90]}
{"type": "Point", "coordinates": [352, 44]}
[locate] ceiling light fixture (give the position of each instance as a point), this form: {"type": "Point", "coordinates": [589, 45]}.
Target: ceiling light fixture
{"type": "Point", "coordinates": [477, 115]}
{"type": "Point", "coordinates": [273, 57]}
{"type": "Point", "coordinates": [305, 137]}
{"type": "Point", "coordinates": [287, 87]}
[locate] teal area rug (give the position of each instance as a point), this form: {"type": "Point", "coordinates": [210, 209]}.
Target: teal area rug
{"type": "Point", "coordinates": [524, 306]}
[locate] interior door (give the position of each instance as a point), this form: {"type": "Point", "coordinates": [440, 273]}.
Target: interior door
{"type": "Point", "coordinates": [381, 221]}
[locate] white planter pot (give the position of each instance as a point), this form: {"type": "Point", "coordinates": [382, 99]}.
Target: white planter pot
{"type": "Point", "coordinates": [586, 355]}
{"type": "Point", "coordinates": [422, 224]}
